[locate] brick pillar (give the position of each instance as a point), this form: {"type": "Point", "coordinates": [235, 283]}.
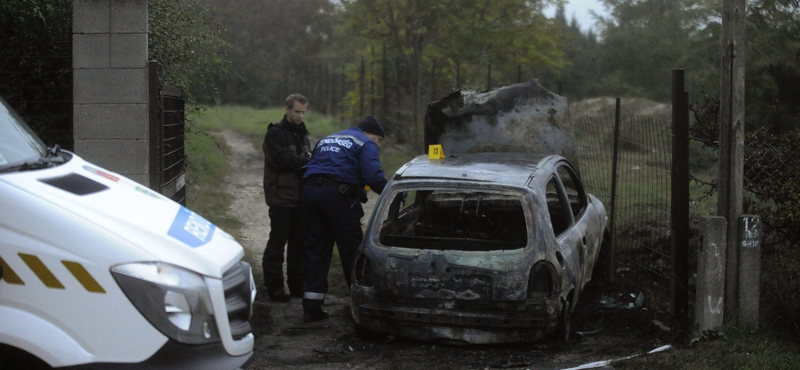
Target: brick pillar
{"type": "Point", "coordinates": [109, 62]}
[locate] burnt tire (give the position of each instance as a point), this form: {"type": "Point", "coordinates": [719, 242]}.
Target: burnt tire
{"type": "Point", "coordinates": [600, 273]}
{"type": "Point", "coordinates": [564, 322]}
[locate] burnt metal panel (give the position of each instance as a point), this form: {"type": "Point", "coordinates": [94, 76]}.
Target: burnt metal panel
{"type": "Point", "coordinates": [524, 118]}
{"type": "Point", "coordinates": [509, 168]}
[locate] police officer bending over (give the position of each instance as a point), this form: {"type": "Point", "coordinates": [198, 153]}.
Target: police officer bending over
{"type": "Point", "coordinates": [286, 152]}
{"type": "Point", "coordinates": [332, 195]}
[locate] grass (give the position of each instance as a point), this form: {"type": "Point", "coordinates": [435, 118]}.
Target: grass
{"type": "Point", "coordinates": [254, 122]}
{"type": "Point", "coordinates": [737, 350]}
{"type": "Point", "coordinates": [764, 349]}
{"type": "Point", "coordinates": [774, 347]}
{"type": "Point", "coordinates": [206, 165]}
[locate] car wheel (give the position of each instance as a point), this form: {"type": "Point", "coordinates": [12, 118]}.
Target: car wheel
{"type": "Point", "coordinates": [600, 273]}
{"type": "Point", "coordinates": [564, 323]}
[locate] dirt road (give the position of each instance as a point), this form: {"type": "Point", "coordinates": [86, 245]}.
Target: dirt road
{"type": "Point", "coordinates": [283, 341]}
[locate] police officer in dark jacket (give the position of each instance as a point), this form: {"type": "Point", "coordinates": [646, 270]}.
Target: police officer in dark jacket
{"type": "Point", "coordinates": [286, 152]}
{"type": "Point", "coordinates": [333, 190]}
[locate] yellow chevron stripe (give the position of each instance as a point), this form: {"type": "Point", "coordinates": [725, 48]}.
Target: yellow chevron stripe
{"type": "Point", "coordinates": [83, 277]}
{"type": "Point", "coordinates": [41, 271]}
{"type": "Point", "coordinates": [9, 275]}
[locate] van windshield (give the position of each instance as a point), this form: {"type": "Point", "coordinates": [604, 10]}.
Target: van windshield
{"type": "Point", "coordinates": [20, 148]}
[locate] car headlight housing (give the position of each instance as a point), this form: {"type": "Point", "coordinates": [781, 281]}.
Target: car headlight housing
{"type": "Point", "coordinates": [175, 300]}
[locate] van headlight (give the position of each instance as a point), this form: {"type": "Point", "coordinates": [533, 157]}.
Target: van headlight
{"type": "Point", "coordinates": [175, 300]}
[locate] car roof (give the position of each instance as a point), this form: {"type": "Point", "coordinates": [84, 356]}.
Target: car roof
{"type": "Point", "coordinates": [500, 168]}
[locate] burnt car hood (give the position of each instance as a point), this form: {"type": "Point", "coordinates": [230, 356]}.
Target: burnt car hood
{"type": "Point", "coordinates": [523, 118]}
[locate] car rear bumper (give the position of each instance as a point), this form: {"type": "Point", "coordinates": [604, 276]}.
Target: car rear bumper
{"type": "Point", "coordinates": [477, 327]}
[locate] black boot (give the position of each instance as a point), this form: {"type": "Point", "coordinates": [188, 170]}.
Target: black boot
{"type": "Point", "coordinates": [315, 316]}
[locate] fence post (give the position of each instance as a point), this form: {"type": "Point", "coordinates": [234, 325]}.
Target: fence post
{"type": "Point", "coordinates": [489, 77]}
{"type": "Point", "coordinates": [329, 91]}
{"type": "Point", "coordinates": [709, 307]}
{"type": "Point", "coordinates": [433, 80]}
{"type": "Point", "coordinates": [361, 89]}
{"type": "Point", "coordinates": [458, 76]}
{"type": "Point", "coordinates": [344, 89]}
{"type": "Point", "coordinates": [401, 134]}
{"type": "Point", "coordinates": [731, 140]}
{"type": "Point", "coordinates": [679, 212]}
{"type": "Point", "coordinates": [749, 271]}
{"type": "Point", "coordinates": [613, 232]}
{"type": "Point", "coordinates": [385, 98]}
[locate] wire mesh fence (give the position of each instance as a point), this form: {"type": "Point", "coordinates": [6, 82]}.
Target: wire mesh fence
{"type": "Point", "coordinates": [642, 206]}
{"type": "Point", "coordinates": [770, 170]}
{"type": "Point", "coordinates": [642, 257]}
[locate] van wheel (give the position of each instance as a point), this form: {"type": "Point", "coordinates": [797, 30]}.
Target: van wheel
{"type": "Point", "coordinates": [15, 358]}
{"type": "Point", "coordinates": [564, 323]}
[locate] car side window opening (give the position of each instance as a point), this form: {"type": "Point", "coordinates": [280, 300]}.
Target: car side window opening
{"type": "Point", "coordinates": [444, 219]}
{"type": "Point", "coordinates": [560, 217]}
{"type": "Point", "coordinates": [574, 190]}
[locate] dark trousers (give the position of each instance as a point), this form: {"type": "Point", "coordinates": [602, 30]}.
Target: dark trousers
{"type": "Point", "coordinates": [286, 225]}
{"type": "Point", "coordinates": [330, 217]}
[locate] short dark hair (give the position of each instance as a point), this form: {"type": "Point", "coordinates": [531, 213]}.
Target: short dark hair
{"type": "Point", "coordinates": [295, 98]}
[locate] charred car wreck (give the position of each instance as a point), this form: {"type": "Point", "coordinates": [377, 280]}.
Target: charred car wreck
{"type": "Point", "coordinates": [491, 244]}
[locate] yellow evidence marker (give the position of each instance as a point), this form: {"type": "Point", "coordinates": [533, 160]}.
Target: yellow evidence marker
{"type": "Point", "coordinates": [435, 152]}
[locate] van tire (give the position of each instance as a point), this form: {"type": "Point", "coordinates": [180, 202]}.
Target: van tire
{"type": "Point", "coordinates": [15, 358]}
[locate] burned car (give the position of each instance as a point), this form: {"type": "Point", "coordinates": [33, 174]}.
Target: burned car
{"type": "Point", "coordinates": [480, 246]}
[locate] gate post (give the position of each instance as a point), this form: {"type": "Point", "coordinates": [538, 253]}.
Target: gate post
{"type": "Point", "coordinates": [679, 212]}
{"type": "Point", "coordinates": [110, 85]}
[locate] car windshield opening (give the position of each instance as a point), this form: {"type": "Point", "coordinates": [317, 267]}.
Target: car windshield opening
{"type": "Point", "coordinates": [465, 220]}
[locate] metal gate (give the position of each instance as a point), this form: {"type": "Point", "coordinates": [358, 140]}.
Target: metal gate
{"type": "Point", "coordinates": [167, 155]}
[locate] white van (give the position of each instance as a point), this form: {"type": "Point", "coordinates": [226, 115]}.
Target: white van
{"type": "Point", "coordinates": [99, 272]}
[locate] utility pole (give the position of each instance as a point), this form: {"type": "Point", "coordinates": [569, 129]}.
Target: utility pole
{"type": "Point", "coordinates": [731, 131]}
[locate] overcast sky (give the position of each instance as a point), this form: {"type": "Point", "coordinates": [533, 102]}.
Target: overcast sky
{"type": "Point", "coordinates": [580, 10]}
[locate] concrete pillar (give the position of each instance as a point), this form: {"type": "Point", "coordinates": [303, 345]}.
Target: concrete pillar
{"type": "Point", "coordinates": [709, 304]}
{"type": "Point", "coordinates": [749, 271]}
{"type": "Point", "coordinates": [110, 85]}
